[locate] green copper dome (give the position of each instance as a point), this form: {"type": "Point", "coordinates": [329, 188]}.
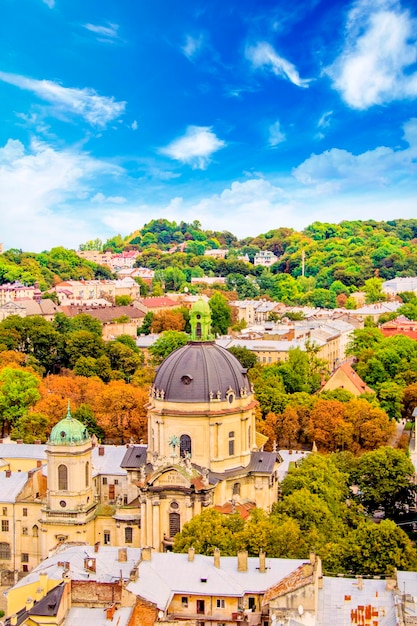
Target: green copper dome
{"type": "Point", "coordinates": [69, 432]}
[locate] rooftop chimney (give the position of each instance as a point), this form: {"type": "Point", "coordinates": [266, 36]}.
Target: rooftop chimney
{"type": "Point", "coordinates": [262, 562]}
{"type": "Point", "coordinates": [147, 554]}
{"type": "Point", "coordinates": [191, 553]}
{"type": "Point", "coordinates": [242, 561]}
{"type": "Point", "coordinates": [96, 546]}
{"type": "Point", "coordinates": [122, 555]}
{"type": "Point", "coordinates": [101, 450]}
{"type": "Point", "coordinates": [29, 603]}
{"type": "Point", "coordinates": [217, 558]}
{"type": "Point", "coordinates": [8, 473]}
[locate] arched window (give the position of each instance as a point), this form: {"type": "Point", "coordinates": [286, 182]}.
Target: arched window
{"type": "Point", "coordinates": [62, 477]}
{"type": "Point", "coordinates": [198, 331]}
{"type": "Point", "coordinates": [87, 474]}
{"type": "Point", "coordinates": [174, 524]}
{"type": "Point", "coordinates": [35, 531]}
{"type": "Point", "coordinates": [185, 445]}
{"type": "Point", "coordinates": [231, 443]}
{"type": "Point", "coordinates": [236, 489]}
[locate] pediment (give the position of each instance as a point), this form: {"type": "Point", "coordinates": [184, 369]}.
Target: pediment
{"type": "Point", "coordinates": [170, 477]}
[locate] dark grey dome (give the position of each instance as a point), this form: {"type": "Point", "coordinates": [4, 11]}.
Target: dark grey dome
{"type": "Point", "coordinates": [200, 371]}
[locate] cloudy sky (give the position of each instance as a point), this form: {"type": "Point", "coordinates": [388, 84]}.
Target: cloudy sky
{"type": "Point", "coordinates": [247, 115]}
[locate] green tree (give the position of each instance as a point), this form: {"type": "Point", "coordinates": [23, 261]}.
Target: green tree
{"type": "Point", "coordinates": [373, 289]}
{"type": "Point", "coordinates": [85, 414]}
{"type": "Point", "coordinates": [385, 480]}
{"type": "Point", "coordinates": [123, 300]}
{"type": "Point", "coordinates": [82, 343]}
{"type": "Point", "coordinates": [19, 390]}
{"type": "Point", "coordinates": [320, 475]}
{"type": "Point", "coordinates": [377, 550]}
{"type": "Point", "coordinates": [31, 427]}
{"type": "Point", "coordinates": [145, 329]}
{"type": "Point", "coordinates": [221, 316]}
{"type": "Point", "coordinates": [247, 358]}
{"type": "Point", "coordinates": [169, 341]}
{"type": "Point", "coordinates": [208, 531]}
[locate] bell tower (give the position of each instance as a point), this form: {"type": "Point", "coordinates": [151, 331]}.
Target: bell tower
{"type": "Point", "coordinates": [69, 511]}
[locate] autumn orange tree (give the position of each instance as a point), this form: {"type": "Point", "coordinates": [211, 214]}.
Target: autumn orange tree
{"type": "Point", "coordinates": [167, 320]}
{"type": "Point", "coordinates": [120, 409]}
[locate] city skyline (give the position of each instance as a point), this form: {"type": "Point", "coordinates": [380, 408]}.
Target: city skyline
{"type": "Point", "coordinates": [243, 116]}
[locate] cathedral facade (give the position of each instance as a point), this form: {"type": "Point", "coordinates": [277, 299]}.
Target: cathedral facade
{"type": "Point", "coordinates": [203, 449]}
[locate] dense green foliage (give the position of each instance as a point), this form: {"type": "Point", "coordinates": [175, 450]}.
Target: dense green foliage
{"type": "Point", "coordinates": [317, 512]}
{"type": "Point", "coordinates": [339, 259]}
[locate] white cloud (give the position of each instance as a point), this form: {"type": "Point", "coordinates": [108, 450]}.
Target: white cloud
{"type": "Point", "coordinates": [263, 55]}
{"type": "Point", "coordinates": [100, 198]}
{"type": "Point", "coordinates": [195, 147]}
{"type": "Point", "coordinates": [192, 46]}
{"type": "Point", "coordinates": [378, 168]}
{"type": "Point", "coordinates": [134, 125]}
{"type": "Point", "coordinates": [96, 110]}
{"type": "Point", "coordinates": [42, 193]}
{"type": "Point", "coordinates": [325, 120]}
{"type": "Point", "coordinates": [276, 134]}
{"type": "Point", "coordinates": [49, 3]}
{"type": "Point", "coordinates": [107, 34]}
{"type": "Point", "coordinates": [376, 64]}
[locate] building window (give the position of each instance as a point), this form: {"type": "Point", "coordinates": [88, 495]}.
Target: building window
{"type": "Point", "coordinates": [104, 481]}
{"type": "Point", "coordinates": [35, 531]}
{"type": "Point", "coordinates": [231, 443]}
{"type": "Point", "coordinates": [251, 603]}
{"type": "Point", "coordinates": [25, 530]}
{"type": "Point", "coordinates": [200, 608]}
{"type": "Point", "coordinates": [25, 557]}
{"type": "Point", "coordinates": [62, 477]}
{"type": "Point", "coordinates": [5, 552]}
{"type": "Point", "coordinates": [128, 534]}
{"type": "Point", "coordinates": [174, 524]}
{"type": "Point", "coordinates": [106, 537]}
{"type": "Point", "coordinates": [5, 510]}
{"type": "Point", "coordinates": [125, 500]}
{"type": "Point", "coordinates": [184, 601]}
{"type": "Point", "coordinates": [236, 489]}
{"type": "Point", "coordinates": [116, 481]}
{"type": "Point", "coordinates": [220, 604]}
{"type": "Point", "coordinates": [4, 525]}
{"type": "Point", "coordinates": [87, 474]}
{"type": "Point", "coordinates": [25, 512]}
{"type": "Point", "coordinates": [185, 445]}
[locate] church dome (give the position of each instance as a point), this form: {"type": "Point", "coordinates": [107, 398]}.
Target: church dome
{"type": "Point", "coordinates": [68, 432]}
{"type": "Point", "coordinates": [200, 371]}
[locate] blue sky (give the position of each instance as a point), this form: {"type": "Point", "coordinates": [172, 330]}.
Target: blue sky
{"type": "Point", "coordinates": [246, 115]}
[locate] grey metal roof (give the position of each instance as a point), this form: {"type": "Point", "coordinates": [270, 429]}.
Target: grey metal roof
{"type": "Point", "coordinates": [35, 451]}
{"type": "Point", "coordinates": [169, 573]}
{"type": "Point", "coordinates": [134, 457]}
{"type": "Point", "coordinates": [340, 596]}
{"type": "Point", "coordinates": [11, 486]}
{"type": "Point", "coordinates": [263, 462]}
{"type": "Point", "coordinates": [193, 372]}
{"type": "Point", "coordinates": [80, 615]}
{"type": "Point", "coordinates": [108, 567]}
{"type": "Point", "coordinates": [49, 604]}
{"type": "Point", "coordinates": [110, 462]}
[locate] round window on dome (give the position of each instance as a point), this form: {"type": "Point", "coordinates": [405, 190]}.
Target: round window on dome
{"type": "Point", "coordinates": [186, 379]}
{"type": "Point", "coordinates": [63, 434]}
